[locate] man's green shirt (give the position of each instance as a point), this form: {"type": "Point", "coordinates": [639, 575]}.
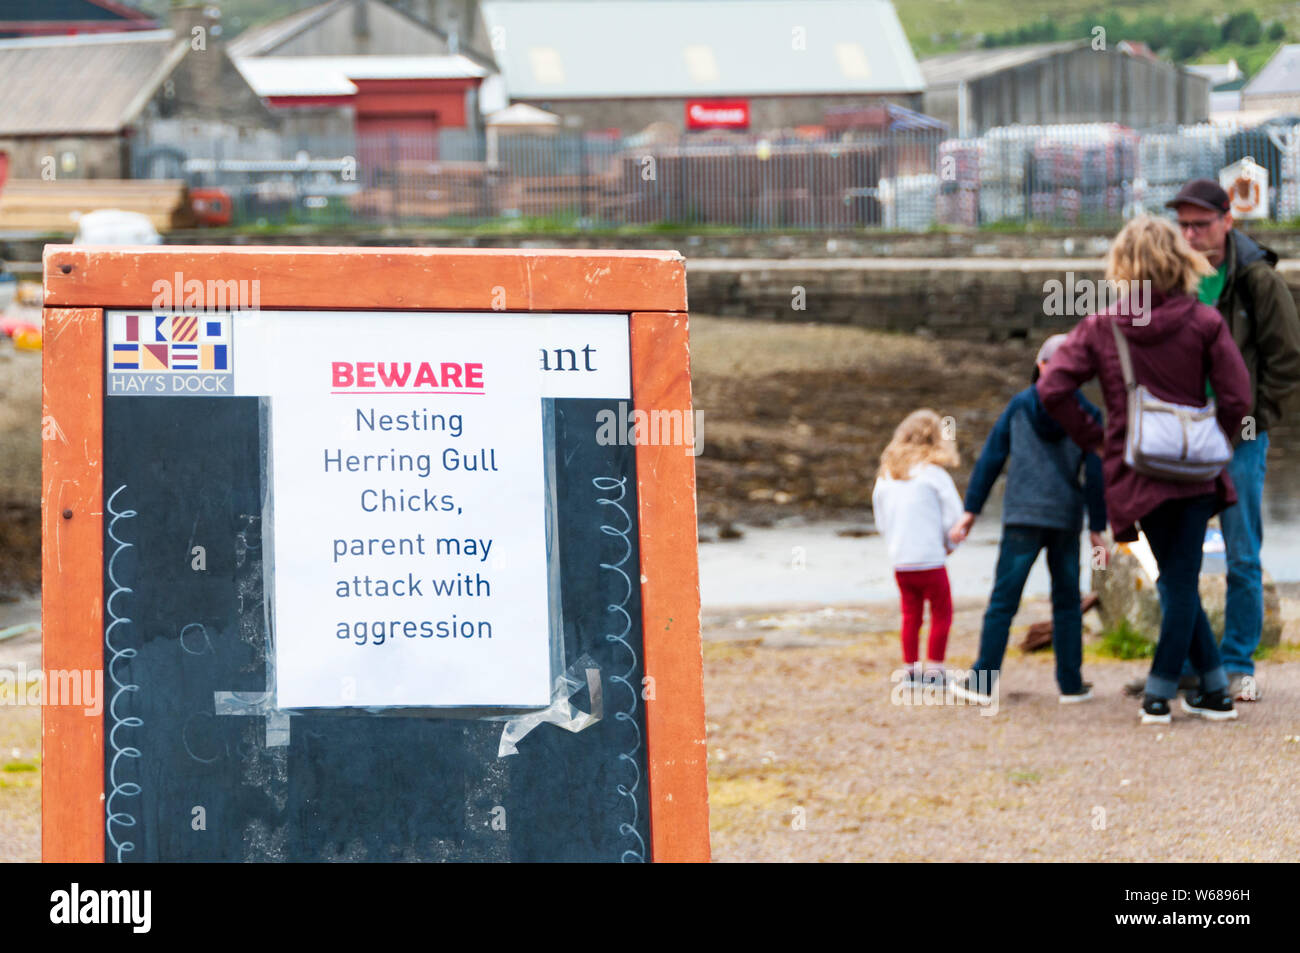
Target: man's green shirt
{"type": "Point", "coordinates": [1208, 293]}
{"type": "Point", "coordinates": [1212, 286]}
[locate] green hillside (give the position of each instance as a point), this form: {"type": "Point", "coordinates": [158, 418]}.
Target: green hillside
{"type": "Point", "coordinates": [936, 26]}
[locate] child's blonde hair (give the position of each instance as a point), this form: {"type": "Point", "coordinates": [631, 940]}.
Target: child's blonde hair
{"type": "Point", "coordinates": [1153, 249]}
{"type": "Point", "coordinates": [918, 439]}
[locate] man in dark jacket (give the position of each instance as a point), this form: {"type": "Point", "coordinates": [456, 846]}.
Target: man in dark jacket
{"type": "Point", "coordinates": [1042, 508]}
{"type": "Point", "coordinates": [1261, 316]}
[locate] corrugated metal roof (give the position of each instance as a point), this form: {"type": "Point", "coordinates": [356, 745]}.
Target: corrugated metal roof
{"type": "Point", "coordinates": [570, 49]}
{"type": "Point", "coordinates": [900, 117]}
{"type": "Point", "coordinates": [292, 76]}
{"type": "Point", "coordinates": [68, 12]}
{"type": "Point", "coordinates": [950, 68]}
{"type": "Point", "coordinates": [1281, 74]}
{"type": "Point", "coordinates": [96, 83]}
{"type": "Point", "coordinates": [1216, 73]}
{"type": "Point", "coordinates": [449, 66]}
{"type": "Point", "coordinates": [259, 40]}
{"type": "Point", "coordinates": [331, 75]}
{"type": "Point", "coordinates": [268, 38]}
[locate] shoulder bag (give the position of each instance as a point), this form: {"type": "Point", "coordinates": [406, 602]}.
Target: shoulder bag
{"type": "Point", "coordinates": [1168, 441]}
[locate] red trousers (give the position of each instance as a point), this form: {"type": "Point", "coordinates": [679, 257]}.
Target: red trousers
{"type": "Point", "coordinates": [917, 587]}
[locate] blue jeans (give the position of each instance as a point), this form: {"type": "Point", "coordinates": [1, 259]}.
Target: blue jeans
{"type": "Point", "coordinates": [1176, 531]}
{"type": "Point", "coordinates": [1016, 556]}
{"type": "Point", "coordinates": [1243, 533]}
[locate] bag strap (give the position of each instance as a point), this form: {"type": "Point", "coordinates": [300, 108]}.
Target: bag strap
{"type": "Point", "coordinates": [1125, 359]}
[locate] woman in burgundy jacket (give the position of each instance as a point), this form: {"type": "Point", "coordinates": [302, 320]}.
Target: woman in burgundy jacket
{"type": "Point", "coordinates": [1178, 346]}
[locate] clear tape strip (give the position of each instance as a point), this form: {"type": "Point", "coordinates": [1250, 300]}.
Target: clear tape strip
{"type": "Point", "coordinates": [262, 703]}
{"type": "Point", "coordinates": [255, 703]}
{"type": "Point", "coordinates": [562, 713]}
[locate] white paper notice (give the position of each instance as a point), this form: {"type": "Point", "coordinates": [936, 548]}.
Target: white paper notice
{"type": "Point", "coordinates": [409, 509]}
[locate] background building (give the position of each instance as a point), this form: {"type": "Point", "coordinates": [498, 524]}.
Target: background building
{"type": "Point", "coordinates": [20, 18]}
{"type": "Point", "coordinates": [1059, 83]}
{"type": "Point", "coordinates": [1276, 87]}
{"type": "Point", "coordinates": [363, 67]}
{"type": "Point", "coordinates": [371, 95]}
{"type": "Point", "coordinates": [1226, 81]}
{"type": "Point", "coordinates": [744, 65]}
{"type": "Point", "coordinates": [91, 101]}
{"type": "Point", "coordinates": [344, 28]}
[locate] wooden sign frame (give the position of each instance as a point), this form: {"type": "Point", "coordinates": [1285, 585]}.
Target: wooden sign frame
{"type": "Point", "coordinates": [82, 282]}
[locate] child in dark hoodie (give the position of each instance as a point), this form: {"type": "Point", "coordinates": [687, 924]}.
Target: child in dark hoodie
{"type": "Point", "coordinates": [1042, 509]}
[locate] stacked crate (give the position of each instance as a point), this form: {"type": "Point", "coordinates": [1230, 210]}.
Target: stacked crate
{"type": "Point", "coordinates": [959, 182]}
{"type": "Point", "coordinates": [908, 202]}
{"type": "Point", "coordinates": [1288, 190]}
{"type": "Point", "coordinates": [1083, 173]}
{"type": "Point", "coordinates": [1004, 164]}
{"type": "Point", "coordinates": [1168, 161]}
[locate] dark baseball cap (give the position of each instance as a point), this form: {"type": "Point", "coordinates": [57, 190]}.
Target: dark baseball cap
{"type": "Point", "coordinates": [1205, 193]}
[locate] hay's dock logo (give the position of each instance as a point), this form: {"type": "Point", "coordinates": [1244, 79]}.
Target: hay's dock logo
{"type": "Point", "coordinates": [170, 342]}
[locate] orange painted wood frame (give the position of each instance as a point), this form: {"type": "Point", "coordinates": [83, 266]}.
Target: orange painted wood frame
{"type": "Point", "coordinates": [80, 282]}
{"type": "Point", "coordinates": [670, 597]}
{"type": "Point", "coordinates": [72, 579]}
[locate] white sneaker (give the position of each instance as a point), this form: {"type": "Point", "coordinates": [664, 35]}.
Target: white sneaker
{"type": "Point", "coordinates": [1245, 688]}
{"type": "Point", "coordinates": [1155, 711]}
{"type": "Point", "coordinates": [1083, 696]}
{"type": "Point", "coordinates": [1215, 706]}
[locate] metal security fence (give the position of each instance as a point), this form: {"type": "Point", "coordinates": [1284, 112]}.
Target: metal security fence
{"type": "Point", "coordinates": [1068, 175]}
{"type": "Point", "coordinates": [1088, 175]}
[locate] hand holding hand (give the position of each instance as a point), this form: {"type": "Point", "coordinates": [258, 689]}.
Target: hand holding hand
{"type": "Point", "coordinates": [1099, 549]}
{"type": "Point", "coordinates": [961, 529]}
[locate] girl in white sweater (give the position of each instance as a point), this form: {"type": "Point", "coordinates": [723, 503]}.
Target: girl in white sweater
{"type": "Point", "coordinates": [915, 504]}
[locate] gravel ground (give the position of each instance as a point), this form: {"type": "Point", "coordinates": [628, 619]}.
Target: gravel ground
{"type": "Point", "coordinates": [20, 471]}
{"type": "Point", "coordinates": [20, 542]}
{"type": "Point", "coordinates": [809, 759]}
{"type": "Point", "coordinates": [20, 783]}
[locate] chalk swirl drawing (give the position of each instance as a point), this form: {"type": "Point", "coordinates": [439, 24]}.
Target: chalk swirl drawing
{"type": "Point", "coordinates": [205, 648]}
{"type": "Point", "coordinates": [609, 485]}
{"type": "Point", "coordinates": [185, 739]}
{"type": "Point", "coordinates": [205, 644]}
{"type": "Point", "coordinates": [118, 789]}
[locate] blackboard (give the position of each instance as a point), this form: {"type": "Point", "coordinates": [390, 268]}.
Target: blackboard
{"type": "Point", "coordinates": [189, 758]}
{"type": "Point", "coordinates": [186, 783]}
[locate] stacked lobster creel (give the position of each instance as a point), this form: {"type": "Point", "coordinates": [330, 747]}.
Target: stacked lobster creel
{"type": "Point", "coordinates": [908, 202]}
{"type": "Point", "coordinates": [959, 182]}
{"type": "Point", "coordinates": [1169, 160]}
{"type": "Point", "coordinates": [1005, 161]}
{"type": "Point", "coordinates": [1288, 194]}
{"type": "Point", "coordinates": [1082, 174]}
